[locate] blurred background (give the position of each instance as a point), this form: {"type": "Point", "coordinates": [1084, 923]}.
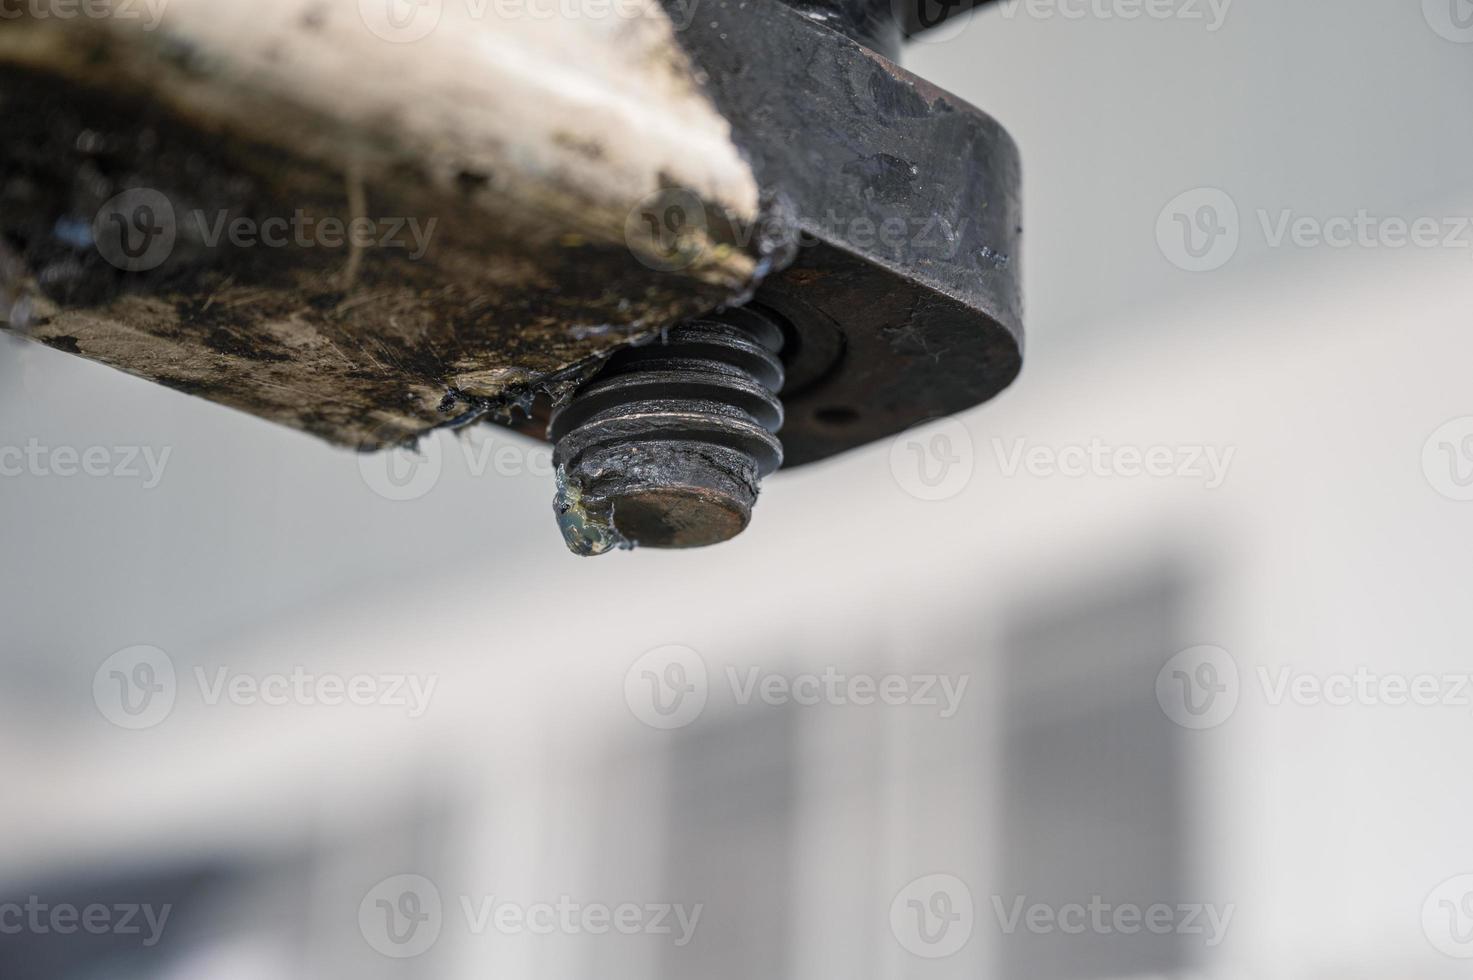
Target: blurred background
{"type": "Point", "coordinates": [1158, 665]}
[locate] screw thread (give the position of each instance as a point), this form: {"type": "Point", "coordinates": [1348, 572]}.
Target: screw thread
{"type": "Point", "coordinates": [667, 445]}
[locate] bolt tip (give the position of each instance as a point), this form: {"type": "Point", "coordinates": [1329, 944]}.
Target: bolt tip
{"type": "Point", "coordinates": [666, 447]}
{"type": "Point", "coordinates": [679, 518]}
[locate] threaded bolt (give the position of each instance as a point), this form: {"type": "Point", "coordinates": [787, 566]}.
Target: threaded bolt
{"type": "Point", "coordinates": [667, 445]}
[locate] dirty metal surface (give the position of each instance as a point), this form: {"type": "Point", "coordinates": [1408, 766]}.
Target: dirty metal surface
{"type": "Point", "coordinates": [668, 446]}
{"type": "Point", "coordinates": [539, 194]}
{"type": "Point", "coordinates": [923, 15]}
{"type": "Point", "coordinates": [904, 293]}
{"type": "Point", "coordinates": [493, 255]}
{"type": "Point", "coordinates": [882, 25]}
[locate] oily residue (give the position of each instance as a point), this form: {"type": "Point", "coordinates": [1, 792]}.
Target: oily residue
{"type": "Point", "coordinates": [473, 318]}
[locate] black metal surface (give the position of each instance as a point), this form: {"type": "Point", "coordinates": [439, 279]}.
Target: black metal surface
{"type": "Point", "coordinates": [666, 446]}
{"type": "Point", "coordinates": [882, 24]}
{"type": "Point", "coordinates": [905, 202]}
{"type": "Point", "coordinates": [874, 23]}
{"type": "Point", "coordinates": [899, 292]}
{"type": "Point", "coordinates": [921, 15]}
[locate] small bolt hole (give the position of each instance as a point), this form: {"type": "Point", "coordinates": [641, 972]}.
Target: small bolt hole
{"type": "Point", "coordinates": [837, 415]}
